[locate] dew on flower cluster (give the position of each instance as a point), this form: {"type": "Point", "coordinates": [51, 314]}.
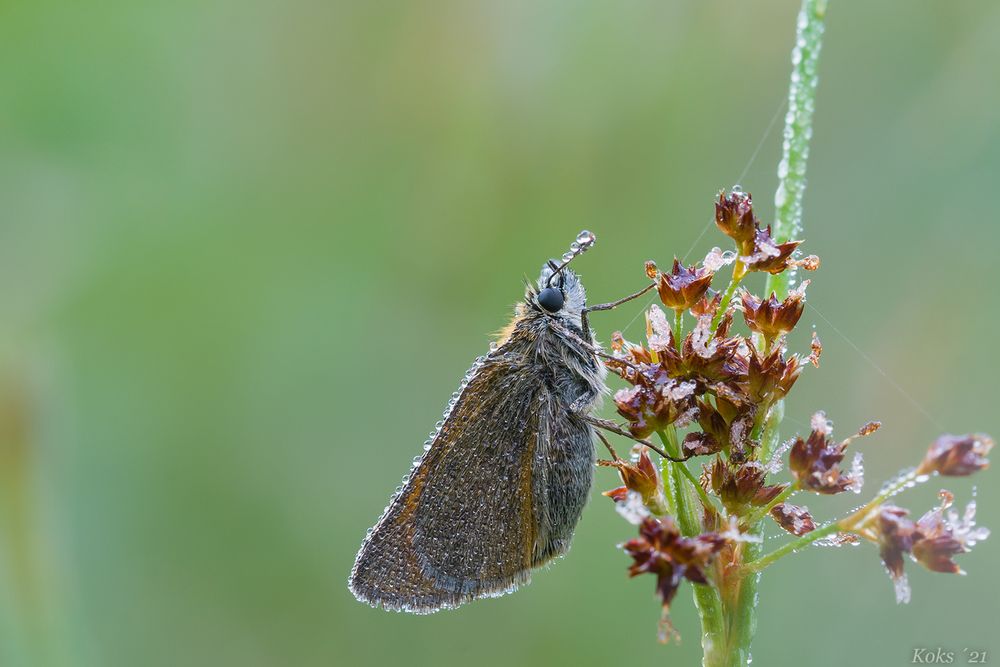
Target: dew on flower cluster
{"type": "Point", "coordinates": [857, 473]}
{"type": "Point", "coordinates": [821, 424]}
{"type": "Point", "coordinates": [717, 258]}
{"type": "Point", "coordinates": [632, 509]}
{"type": "Point", "coordinates": [775, 465]}
{"type": "Point", "coordinates": [964, 528]}
{"type": "Point", "coordinates": [902, 587]}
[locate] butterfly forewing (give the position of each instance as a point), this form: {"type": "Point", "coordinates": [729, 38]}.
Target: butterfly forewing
{"type": "Point", "coordinates": [462, 526]}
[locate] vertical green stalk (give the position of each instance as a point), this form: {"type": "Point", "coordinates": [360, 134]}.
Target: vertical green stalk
{"type": "Point", "coordinates": [740, 605]}
{"type": "Point", "coordinates": [706, 598]}
{"type": "Point", "coordinates": [798, 132]}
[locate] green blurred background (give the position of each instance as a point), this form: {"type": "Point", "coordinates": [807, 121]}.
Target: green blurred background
{"type": "Point", "coordinates": [247, 250]}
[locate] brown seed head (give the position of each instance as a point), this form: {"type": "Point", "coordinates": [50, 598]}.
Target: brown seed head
{"type": "Point", "coordinates": [815, 462]}
{"type": "Point", "coordinates": [735, 218]}
{"type": "Point", "coordinates": [957, 455]}
{"type": "Point", "coordinates": [793, 518]}
{"type": "Point", "coordinates": [684, 286]}
{"type": "Point", "coordinates": [639, 475]}
{"type": "Point", "coordinates": [661, 550]}
{"type": "Point", "coordinates": [769, 256]}
{"type": "Point", "coordinates": [770, 317]}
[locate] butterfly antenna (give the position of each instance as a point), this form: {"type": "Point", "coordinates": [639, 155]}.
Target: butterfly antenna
{"type": "Point", "coordinates": [584, 241]}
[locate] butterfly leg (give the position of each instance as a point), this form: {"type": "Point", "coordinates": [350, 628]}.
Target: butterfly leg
{"type": "Point", "coordinates": [610, 306]}
{"type": "Point", "coordinates": [612, 427]}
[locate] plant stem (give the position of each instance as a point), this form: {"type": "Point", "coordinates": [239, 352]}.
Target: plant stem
{"type": "Point", "coordinates": [739, 271]}
{"type": "Point", "coordinates": [760, 563]}
{"type": "Point", "coordinates": [740, 596]}
{"type": "Point", "coordinates": [679, 329]}
{"type": "Point", "coordinates": [798, 131]}
{"type": "Point", "coordinates": [706, 597]}
{"type": "Point", "coordinates": [669, 439]}
{"type": "Point", "coordinates": [763, 511]}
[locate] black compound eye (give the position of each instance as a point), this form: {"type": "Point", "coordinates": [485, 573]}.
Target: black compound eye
{"type": "Point", "coordinates": [551, 299]}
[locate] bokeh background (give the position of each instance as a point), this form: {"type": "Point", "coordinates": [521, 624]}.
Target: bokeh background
{"type": "Point", "coordinates": [247, 250]}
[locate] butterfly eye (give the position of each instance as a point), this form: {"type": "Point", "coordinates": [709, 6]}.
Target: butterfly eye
{"type": "Point", "coordinates": [551, 299]}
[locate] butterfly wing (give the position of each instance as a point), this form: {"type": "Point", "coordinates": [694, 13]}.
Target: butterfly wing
{"type": "Point", "coordinates": [463, 525]}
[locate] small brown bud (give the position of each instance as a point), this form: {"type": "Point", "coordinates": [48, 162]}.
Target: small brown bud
{"type": "Point", "coordinates": [768, 255]}
{"type": "Point", "coordinates": [815, 349]}
{"type": "Point", "coordinates": [808, 263]}
{"type": "Point", "coordinates": [684, 286]}
{"type": "Point", "coordinates": [957, 455]}
{"type": "Point", "coordinates": [793, 518]}
{"type": "Point", "coordinates": [815, 462]}
{"type": "Point", "coordinates": [869, 428]}
{"type": "Point", "coordinates": [734, 217]}
{"type": "Point", "coordinates": [770, 317]}
{"type": "Point", "coordinates": [651, 271]}
{"type": "Point", "coordinates": [641, 476]}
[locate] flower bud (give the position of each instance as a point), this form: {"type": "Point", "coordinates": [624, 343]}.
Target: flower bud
{"type": "Point", "coordinates": [684, 286]}
{"type": "Point", "coordinates": [957, 455]}
{"type": "Point", "coordinates": [793, 518]}
{"type": "Point", "coordinates": [772, 318]}
{"type": "Point", "coordinates": [734, 217]}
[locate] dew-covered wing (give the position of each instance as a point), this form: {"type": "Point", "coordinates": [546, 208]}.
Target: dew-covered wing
{"type": "Point", "coordinates": [462, 525]}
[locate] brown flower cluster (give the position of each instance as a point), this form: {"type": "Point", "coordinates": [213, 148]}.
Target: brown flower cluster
{"type": "Point", "coordinates": [662, 551]}
{"type": "Point", "coordinates": [957, 455]}
{"type": "Point", "coordinates": [723, 381]}
{"type": "Point", "coordinates": [709, 391]}
{"type": "Point", "coordinates": [933, 540]}
{"type": "Point", "coordinates": [815, 461]}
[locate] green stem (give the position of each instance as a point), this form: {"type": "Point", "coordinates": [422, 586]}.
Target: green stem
{"type": "Point", "coordinates": [769, 440]}
{"type": "Point", "coordinates": [849, 523]}
{"type": "Point", "coordinates": [741, 608]}
{"type": "Point", "coordinates": [763, 511]}
{"type": "Point", "coordinates": [912, 477]}
{"type": "Point", "coordinates": [760, 563]}
{"type": "Point", "coordinates": [669, 438]}
{"type": "Point", "coordinates": [683, 506]}
{"type": "Point", "coordinates": [706, 597]}
{"type": "Point", "coordinates": [739, 271]}
{"type": "Point", "coordinates": [679, 329]}
{"type": "Point", "coordinates": [798, 131]}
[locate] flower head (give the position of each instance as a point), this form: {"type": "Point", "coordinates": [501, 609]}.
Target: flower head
{"type": "Point", "coordinates": [660, 550]}
{"type": "Point", "coordinates": [770, 317]}
{"type": "Point", "coordinates": [651, 405]}
{"type": "Point", "coordinates": [771, 376]}
{"type": "Point", "coordinates": [639, 475]}
{"type": "Point", "coordinates": [768, 255]}
{"type": "Point", "coordinates": [740, 485]}
{"type": "Point", "coordinates": [793, 518]}
{"type": "Point", "coordinates": [933, 540]}
{"type": "Point", "coordinates": [735, 218]}
{"type": "Point", "coordinates": [957, 455]}
{"type": "Point", "coordinates": [684, 286]}
{"type": "Point", "coordinates": [815, 461]}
